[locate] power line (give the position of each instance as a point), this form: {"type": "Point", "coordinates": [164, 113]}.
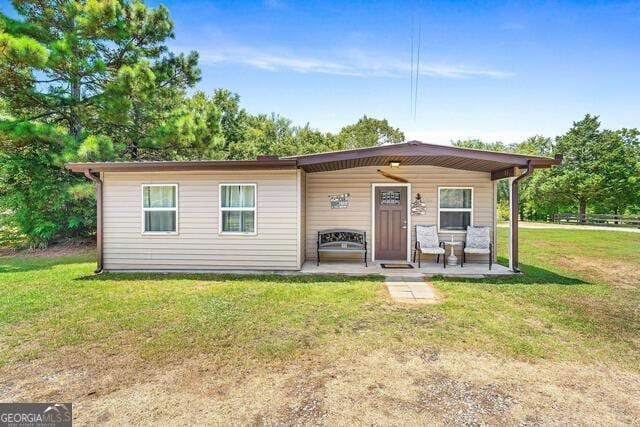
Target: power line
{"type": "Point", "coordinates": [415, 100]}
{"type": "Point", "coordinates": [411, 93]}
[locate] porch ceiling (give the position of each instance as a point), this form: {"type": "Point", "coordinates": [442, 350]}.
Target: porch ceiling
{"type": "Point", "coordinates": [419, 153]}
{"type": "Point", "coordinates": [443, 161]}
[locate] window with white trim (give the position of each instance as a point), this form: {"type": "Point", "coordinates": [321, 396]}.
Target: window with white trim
{"type": "Point", "coordinates": [455, 208]}
{"type": "Point", "coordinates": [160, 208]}
{"type": "Point", "coordinates": [238, 208]}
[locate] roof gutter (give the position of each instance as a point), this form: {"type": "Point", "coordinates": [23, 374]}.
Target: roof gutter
{"type": "Point", "coordinates": [527, 173]}
{"type": "Point", "coordinates": [99, 225]}
{"type": "Point", "coordinates": [262, 163]}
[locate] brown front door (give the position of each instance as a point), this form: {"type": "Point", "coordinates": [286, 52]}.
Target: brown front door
{"type": "Point", "coordinates": [391, 223]}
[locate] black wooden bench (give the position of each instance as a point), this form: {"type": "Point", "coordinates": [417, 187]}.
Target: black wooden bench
{"type": "Point", "coordinates": [342, 240]}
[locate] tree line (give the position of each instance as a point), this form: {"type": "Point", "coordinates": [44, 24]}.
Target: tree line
{"type": "Point", "coordinates": [600, 172]}
{"type": "Point", "coordinates": [85, 80]}
{"type": "Point", "coordinates": [94, 81]}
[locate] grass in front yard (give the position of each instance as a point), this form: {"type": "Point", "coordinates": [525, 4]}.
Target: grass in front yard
{"type": "Point", "coordinates": [566, 307]}
{"type": "Point", "coordinates": [47, 304]}
{"type": "Point", "coordinates": [577, 300]}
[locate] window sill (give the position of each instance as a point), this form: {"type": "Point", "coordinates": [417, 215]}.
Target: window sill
{"type": "Point", "coordinates": [160, 233]}
{"type": "Point", "coordinates": [230, 233]}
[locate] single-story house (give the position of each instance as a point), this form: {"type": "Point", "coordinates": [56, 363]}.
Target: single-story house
{"type": "Point", "coordinates": [265, 214]}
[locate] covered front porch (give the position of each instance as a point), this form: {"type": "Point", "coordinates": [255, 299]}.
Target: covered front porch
{"type": "Point", "coordinates": [383, 193]}
{"type": "Point", "coordinates": [474, 270]}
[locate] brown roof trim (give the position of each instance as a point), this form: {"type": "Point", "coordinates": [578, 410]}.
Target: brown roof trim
{"type": "Point", "coordinates": [418, 148]}
{"type": "Point", "coordinates": [419, 152]}
{"type": "Point", "coordinates": [503, 173]}
{"type": "Point", "coordinates": [192, 165]}
{"type": "Point", "coordinates": [546, 162]}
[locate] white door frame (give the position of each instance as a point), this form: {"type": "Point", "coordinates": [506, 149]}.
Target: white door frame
{"type": "Point", "coordinates": [373, 215]}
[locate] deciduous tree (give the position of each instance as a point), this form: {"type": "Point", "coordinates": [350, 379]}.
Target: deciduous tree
{"type": "Point", "coordinates": [368, 132]}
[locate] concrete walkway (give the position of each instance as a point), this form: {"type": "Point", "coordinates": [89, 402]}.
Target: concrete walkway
{"type": "Point", "coordinates": [411, 290]}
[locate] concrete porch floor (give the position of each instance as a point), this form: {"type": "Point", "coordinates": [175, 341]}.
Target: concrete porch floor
{"type": "Point", "coordinates": [428, 269]}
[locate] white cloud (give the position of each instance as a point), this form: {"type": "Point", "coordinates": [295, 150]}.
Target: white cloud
{"type": "Point", "coordinates": [349, 63]}
{"type": "Point", "coordinates": [277, 62]}
{"type": "Point", "coordinates": [459, 71]}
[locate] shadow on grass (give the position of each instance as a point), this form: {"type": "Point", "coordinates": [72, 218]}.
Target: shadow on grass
{"type": "Point", "coordinates": [531, 276]}
{"type": "Point", "coordinates": [17, 264]}
{"type": "Point", "coordinates": [284, 278]}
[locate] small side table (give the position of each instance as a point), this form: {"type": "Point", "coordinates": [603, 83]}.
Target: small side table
{"type": "Point", "coordinates": [452, 259]}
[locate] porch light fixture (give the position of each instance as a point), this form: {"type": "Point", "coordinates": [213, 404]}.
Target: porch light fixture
{"type": "Point", "coordinates": [394, 164]}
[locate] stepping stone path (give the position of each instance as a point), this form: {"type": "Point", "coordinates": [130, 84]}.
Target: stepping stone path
{"type": "Point", "coordinates": [411, 290]}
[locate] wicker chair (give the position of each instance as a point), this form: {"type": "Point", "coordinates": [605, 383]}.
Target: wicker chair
{"type": "Point", "coordinates": [427, 242]}
{"type": "Point", "coordinates": [478, 241]}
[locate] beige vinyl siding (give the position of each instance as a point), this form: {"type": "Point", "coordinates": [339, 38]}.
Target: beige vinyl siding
{"type": "Point", "coordinates": [198, 246]}
{"type": "Point", "coordinates": [358, 183]}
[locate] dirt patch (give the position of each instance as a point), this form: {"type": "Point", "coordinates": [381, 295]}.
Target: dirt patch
{"type": "Point", "coordinates": [462, 403]}
{"type": "Point", "coordinates": [429, 354]}
{"type": "Point", "coordinates": [307, 407]}
{"type": "Point", "coordinates": [67, 247]}
{"type": "Point", "coordinates": [432, 387]}
{"type": "Point", "coordinates": [620, 273]}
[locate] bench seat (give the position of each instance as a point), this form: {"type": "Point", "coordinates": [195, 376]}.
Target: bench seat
{"type": "Point", "coordinates": [337, 249]}
{"type": "Point", "coordinates": [342, 240]}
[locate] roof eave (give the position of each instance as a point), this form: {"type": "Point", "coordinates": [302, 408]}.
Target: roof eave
{"type": "Point", "coordinates": [413, 148]}
{"type": "Point", "coordinates": [182, 166]}
{"type": "Point", "coordinates": [546, 162]}
{"type": "Point", "coordinates": [408, 149]}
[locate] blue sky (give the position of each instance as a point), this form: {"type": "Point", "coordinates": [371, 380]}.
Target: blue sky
{"type": "Point", "coordinates": [489, 70]}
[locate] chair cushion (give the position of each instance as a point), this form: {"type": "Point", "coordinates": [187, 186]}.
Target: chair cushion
{"type": "Point", "coordinates": [478, 238]}
{"type": "Point", "coordinates": [476, 251]}
{"type": "Point", "coordinates": [427, 236]}
{"type": "Point", "coordinates": [431, 250]}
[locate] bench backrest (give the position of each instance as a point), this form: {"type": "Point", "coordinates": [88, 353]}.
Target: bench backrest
{"type": "Point", "coordinates": [342, 238]}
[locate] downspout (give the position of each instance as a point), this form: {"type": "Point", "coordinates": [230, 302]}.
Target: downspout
{"type": "Point", "coordinates": [514, 215]}
{"type": "Point", "coordinates": [527, 173]}
{"type": "Point", "coordinates": [99, 225]}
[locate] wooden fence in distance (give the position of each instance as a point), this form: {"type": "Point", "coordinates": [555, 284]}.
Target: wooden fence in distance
{"type": "Point", "coordinates": [597, 219]}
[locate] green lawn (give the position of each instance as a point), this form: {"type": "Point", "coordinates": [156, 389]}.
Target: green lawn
{"type": "Point", "coordinates": [566, 307]}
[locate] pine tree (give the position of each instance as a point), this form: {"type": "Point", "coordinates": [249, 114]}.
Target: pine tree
{"type": "Point", "coordinates": [81, 80]}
